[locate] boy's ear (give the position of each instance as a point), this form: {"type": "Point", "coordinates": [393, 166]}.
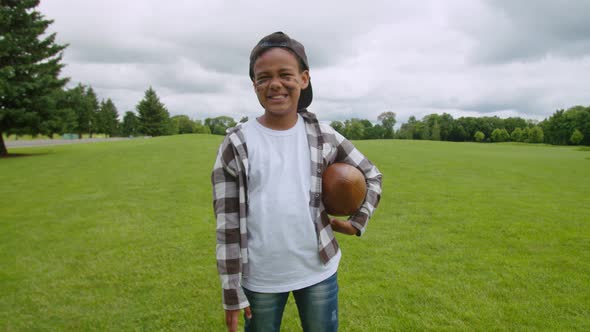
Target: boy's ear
{"type": "Point", "coordinates": [305, 79]}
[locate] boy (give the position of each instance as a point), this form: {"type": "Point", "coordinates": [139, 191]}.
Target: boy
{"type": "Point", "coordinates": [273, 235]}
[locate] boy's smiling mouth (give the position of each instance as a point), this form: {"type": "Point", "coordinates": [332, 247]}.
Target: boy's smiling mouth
{"type": "Point", "coordinates": [277, 97]}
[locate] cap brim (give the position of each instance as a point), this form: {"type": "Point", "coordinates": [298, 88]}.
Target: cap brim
{"type": "Point", "coordinates": [305, 98]}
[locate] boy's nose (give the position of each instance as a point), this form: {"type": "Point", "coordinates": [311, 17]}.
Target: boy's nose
{"type": "Point", "coordinates": [275, 83]}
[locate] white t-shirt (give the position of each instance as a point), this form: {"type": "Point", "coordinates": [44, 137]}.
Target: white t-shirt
{"type": "Point", "coordinates": [282, 242]}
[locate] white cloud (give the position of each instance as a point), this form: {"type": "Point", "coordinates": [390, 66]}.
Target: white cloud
{"type": "Point", "coordinates": [461, 57]}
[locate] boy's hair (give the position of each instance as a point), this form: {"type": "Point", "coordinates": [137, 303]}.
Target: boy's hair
{"type": "Point", "coordinates": [280, 39]}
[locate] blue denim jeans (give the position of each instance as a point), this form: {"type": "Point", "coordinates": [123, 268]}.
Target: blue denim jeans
{"type": "Point", "coordinates": [317, 306]}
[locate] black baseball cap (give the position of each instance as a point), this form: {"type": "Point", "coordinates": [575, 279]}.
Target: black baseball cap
{"type": "Point", "coordinates": [280, 39]}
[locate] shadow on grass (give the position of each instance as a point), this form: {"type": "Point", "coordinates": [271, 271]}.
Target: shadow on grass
{"type": "Point", "coordinates": [19, 155]}
{"type": "Point", "coordinates": [584, 148]}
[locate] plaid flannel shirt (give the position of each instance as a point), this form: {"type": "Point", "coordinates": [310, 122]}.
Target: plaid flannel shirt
{"type": "Point", "coordinates": [230, 200]}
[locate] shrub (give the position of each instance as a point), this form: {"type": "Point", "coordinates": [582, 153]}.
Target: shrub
{"type": "Point", "coordinates": [576, 137]}
{"type": "Point", "coordinates": [479, 136]}
{"type": "Point", "coordinates": [500, 135]}
{"type": "Point", "coordinates": [516, 135]}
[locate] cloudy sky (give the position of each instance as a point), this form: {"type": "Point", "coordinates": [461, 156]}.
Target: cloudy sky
{"type": "Point", "coordinates": [463, 57]}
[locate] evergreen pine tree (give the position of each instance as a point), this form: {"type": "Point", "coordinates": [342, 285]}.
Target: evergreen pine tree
{"type": "Point", "coordinates": [153, 115]}
{"type": "Point", "coordinates": [29, 69]}
{"type": "Point", "coordinates": [91, 110]}
{"type": "Point", "coordinates": [76, 101]}
{"type": "Point", "coordinates": [131, 124]}
{"type": "Point", "coordinates": [62, 119]}
{"type": "Point", "coordinates": [108, 118]}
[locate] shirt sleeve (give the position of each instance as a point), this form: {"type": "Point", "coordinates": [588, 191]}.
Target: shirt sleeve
{"type": "Point", "coordinates": [349, 154]}
{"type": "Point", "coordinates": [225, 183]}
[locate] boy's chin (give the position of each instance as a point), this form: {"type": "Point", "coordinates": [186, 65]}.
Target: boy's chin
{"type": "Point", "coordinates": [280, 111]}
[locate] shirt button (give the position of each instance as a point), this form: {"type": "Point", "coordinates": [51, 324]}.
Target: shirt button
{"type": "Point", "coordinates": [319, 170]}
{"type": "Point", "coordinates": [317, 195]}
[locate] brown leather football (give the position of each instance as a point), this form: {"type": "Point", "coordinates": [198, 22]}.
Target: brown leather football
{"type": "Point", "coordinates": [343, 189]}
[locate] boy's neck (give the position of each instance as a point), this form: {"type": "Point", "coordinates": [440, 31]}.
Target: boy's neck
{"type": "Point", "coordinates": [274, 122]}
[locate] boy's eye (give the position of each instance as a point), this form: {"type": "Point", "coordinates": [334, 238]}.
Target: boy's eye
{"type": "Point", "coordinates": [261, 80]}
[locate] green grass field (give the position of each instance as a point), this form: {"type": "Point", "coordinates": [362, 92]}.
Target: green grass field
{"type": "Point", "coordinates": [120, 236]}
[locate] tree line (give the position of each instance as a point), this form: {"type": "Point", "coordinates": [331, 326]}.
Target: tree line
{"type": "Point", "coordinates": [564, 127]}
{"type": "Point", "coordinates": [78, 111]}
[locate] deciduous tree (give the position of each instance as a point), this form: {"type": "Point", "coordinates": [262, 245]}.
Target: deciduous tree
{"type": "Point", "coordinates": [182, 124]}
{"type": "Point", "coordinates": [479, 136]}
{"type": "Point", "coordinates": [576, 137]}
{"type": "Point", "coordinates": [388, 122]}
{"type": "Point", "coordinates": [338, 126]}
{"type": "Point", "coordinates": [435, 132]}
{"type": "Point", "coordinates": [354, 129]}
{"type": "Point", "coordinates": [220, 124]}
{"type": "Point", "coordinates": [200, 128]}
{"type": "Point", "coordinates": [500, 135]}
{"type": "Point", "coordinates": [375, 132]}
{"type": "Point", "coordinates": [516, 135]}
{"type": "Point", "coordinates": [536, 135]}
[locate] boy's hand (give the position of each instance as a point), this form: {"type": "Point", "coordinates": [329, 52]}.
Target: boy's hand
{"type": "Point", "coordinates": [344, 227]}
{"type": "Point", "coordinates": [232, 316]}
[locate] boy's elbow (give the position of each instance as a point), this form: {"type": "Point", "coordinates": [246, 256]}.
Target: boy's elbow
{"type": "Point", "coordinates": [228, 235]}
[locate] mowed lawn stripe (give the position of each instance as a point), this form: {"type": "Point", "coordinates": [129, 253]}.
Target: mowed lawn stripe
{"type": "Point", "coordinates": [121, 236]}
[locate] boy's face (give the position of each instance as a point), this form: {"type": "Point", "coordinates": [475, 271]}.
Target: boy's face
{"type": "Point", "coordinates": [278, 81]}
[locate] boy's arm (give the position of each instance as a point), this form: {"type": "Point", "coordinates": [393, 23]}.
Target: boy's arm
{"type": "Point", "coordinates": [349, 154]}
{"type": "Point", "coordinates": [226, 207]}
